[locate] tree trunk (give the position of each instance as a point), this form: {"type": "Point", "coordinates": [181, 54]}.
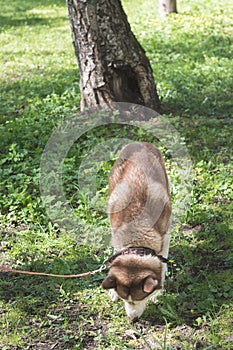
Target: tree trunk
{"type": "Point", "coordinates": [113, 66]}
{"type": "Point", "coordinates": [167, 6]}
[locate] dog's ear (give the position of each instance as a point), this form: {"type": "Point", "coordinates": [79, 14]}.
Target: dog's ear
{"type": "Point", "coordinates": [109, 282]}
{"type": "Point", "coordinates": [149, 284]}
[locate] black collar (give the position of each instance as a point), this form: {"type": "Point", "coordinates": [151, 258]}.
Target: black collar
{"type": "Point", "coordinates": [142, 251]}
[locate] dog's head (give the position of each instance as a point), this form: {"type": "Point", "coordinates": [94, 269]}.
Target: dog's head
{"type": "Point", "coordinates": [135, 279]}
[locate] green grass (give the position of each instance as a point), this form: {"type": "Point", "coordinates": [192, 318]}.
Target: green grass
{"type": "Point", "coordinates": [191, 56]}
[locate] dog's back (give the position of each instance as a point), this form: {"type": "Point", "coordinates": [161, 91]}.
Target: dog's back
{"type": "Point", "coordinates": [139, 202]}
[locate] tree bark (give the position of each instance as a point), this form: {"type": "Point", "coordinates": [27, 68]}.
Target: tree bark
{"type": "Point", "coordinates": [166, 7]}
{"type": "Point", "coordinates": [113, 65]}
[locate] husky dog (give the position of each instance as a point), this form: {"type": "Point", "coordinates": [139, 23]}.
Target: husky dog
{"type": "Point", "coordinates": [139, 209]}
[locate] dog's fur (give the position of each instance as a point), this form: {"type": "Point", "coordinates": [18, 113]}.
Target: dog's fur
{"type": "Point", "coordinates": [139, 209]}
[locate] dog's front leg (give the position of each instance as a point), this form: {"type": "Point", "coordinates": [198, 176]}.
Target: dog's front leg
{"type": "Point", "coordinates": [113, 295]}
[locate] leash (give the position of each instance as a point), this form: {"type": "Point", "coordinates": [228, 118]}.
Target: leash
{"type": "Point", "coordinates": [24, 272]}
{"type": "Point", "coordinates": [131, 250]}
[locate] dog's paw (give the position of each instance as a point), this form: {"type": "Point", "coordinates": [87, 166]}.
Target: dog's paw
{"type": "Point", "coordinates": [113, 295]}
{"type": "Point", "coordinates": [153, 298]}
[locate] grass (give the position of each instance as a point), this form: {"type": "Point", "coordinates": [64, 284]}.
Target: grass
{"type": "Point", "coordinates": [191, 56]}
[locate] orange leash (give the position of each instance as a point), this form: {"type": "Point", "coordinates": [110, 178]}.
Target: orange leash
{"type": "Point", "coordinates": [89, 273]}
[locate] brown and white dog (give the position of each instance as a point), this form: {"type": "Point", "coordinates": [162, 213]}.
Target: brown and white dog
{"type": "Point", "coordinates": [139, 208]}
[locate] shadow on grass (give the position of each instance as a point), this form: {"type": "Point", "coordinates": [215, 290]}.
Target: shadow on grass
{"type": "Point", "coordinates": [23, 17]}
{"type": "Point", "coordinates": [51, 309]}
{"type": "Point", "coordinates": [195, 48]}
{"type": "Point", "coordinates": [17, 93]}
{"type": "Point", "coordinates": [45, 289]}
{"type": "Point", "coordinates": [19, 6]}
{"type": "Point", "coordinates": [7, 22]}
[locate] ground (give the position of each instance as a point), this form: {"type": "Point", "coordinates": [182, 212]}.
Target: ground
{"type": "Point", "coordinates": [191, 56]}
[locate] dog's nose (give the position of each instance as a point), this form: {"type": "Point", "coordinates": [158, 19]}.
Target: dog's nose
{"type": "Point", "coordinates": [134, 320]}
